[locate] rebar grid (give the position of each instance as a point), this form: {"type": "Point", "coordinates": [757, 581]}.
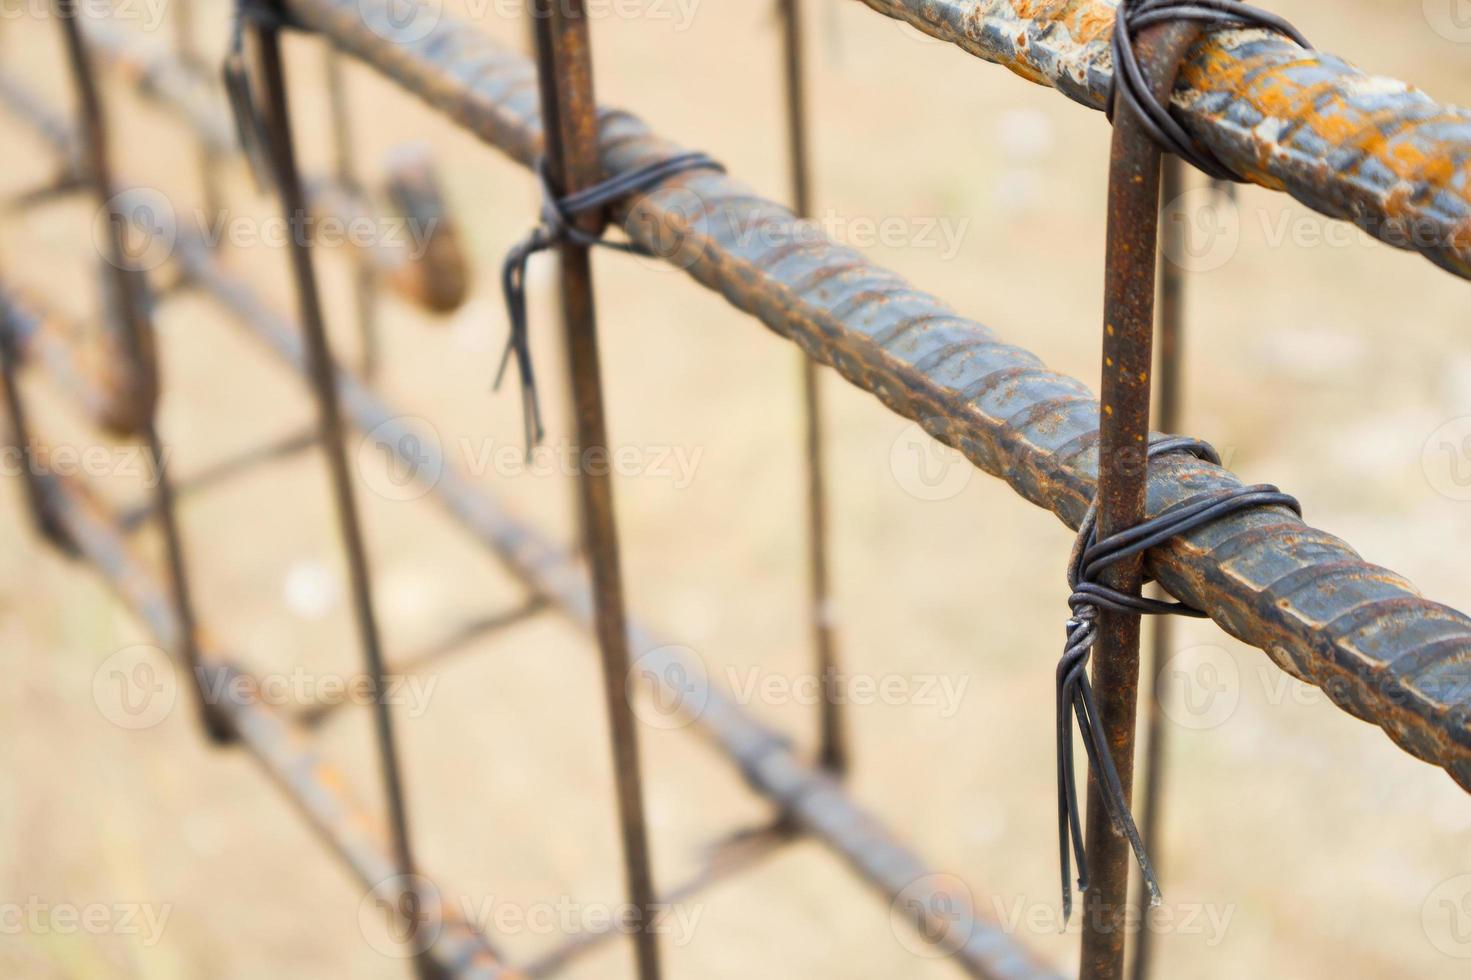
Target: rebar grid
{"type": "Point", "coordinates": [1383, 653]}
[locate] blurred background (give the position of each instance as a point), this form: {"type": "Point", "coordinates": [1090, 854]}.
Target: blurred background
{"type": "Point", "coordinates": [1305, 843]}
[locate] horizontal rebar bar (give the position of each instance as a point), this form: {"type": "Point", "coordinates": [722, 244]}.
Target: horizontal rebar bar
{"type": "Point", "coordinates": [1366, 149]}
{"type": "Point", "coordinates": [1358, 631]}
{"type": "Point", "coordinates": [282, 748]}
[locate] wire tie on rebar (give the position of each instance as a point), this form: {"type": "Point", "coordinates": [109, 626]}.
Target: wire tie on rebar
{"type": "Point", "coordinates": [558, 214]}
{"type": "Point", "coordinates": [1089, 595]}
{"type": "Point", "coordinates": [1128, 79]}
{"type": "Point", "coordinates": [250, 128]}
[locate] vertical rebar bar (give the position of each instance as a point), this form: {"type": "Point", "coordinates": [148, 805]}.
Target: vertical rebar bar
{"type": "Point", "coordinates": [1128, 333]}
{"type": "Point", "coordinates": [129, 291]}
{"type": "Point", "coordinates": [1170, 328]}
{"type": "Point", "coordinates": [570, 124]}
{"type": "Point", "coordinates": [344, 164]}
{"type": "Point", "coordinates": [287, 180]}
{"type": "Point", "coordinates": [832, 751]}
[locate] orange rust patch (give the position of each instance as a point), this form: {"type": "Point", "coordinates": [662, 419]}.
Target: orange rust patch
{"type": "Point", "coordinates": [1086, 20]}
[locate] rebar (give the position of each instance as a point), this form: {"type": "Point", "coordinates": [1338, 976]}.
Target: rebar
{"type": "Point", "coordinates": [287, 181]}
{"type": "Point", "coordinates": [1361, 633]}
{"type": "Point", "coordinates": [1370, 150]}
{"type": "Point", "coordinates": [564, 70]}
{"type": "Point", "coordinates": [134, 328]}
{"type": "Point", "coordinates": [832, 744]}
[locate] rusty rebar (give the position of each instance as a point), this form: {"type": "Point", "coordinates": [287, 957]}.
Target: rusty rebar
{"type": "Point", "coordinates": [1124, 395]}
{"type": "Point", "coordinates": [135, 327]}
{"type": "Point", "coordinates": [564, 73]}
{"type": "Point", "coordinates": [286, 178]}
{"type": "Point", "coordinates": [1169, 389]}
{"type": "Point", "coordinates": [832, 743]}
{"type": "Point", "coordinates": [1363, 634]}
{"type": "Point", "coordinates": [1371, 150]}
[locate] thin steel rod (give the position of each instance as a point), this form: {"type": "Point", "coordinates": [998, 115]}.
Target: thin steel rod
{"type": "Point", "coordinates": [1169, 384]}
{"type": "Point", "coordinates": [129, 293]}
{"type": "Point", "coordinates": [225, 470]}
{"type": "Point", "coordinates": [564, 71]}
{"type": "Point", "coordinates": [1124, 394]}
{"type": "Point", "coordinates": [344, 165]}
{"type": "Point", "coordinates": [287, 180]}
{"type": "Point", "coordinates": [455, 641]}
{"type": "Point", "coordinates": [832, 744]}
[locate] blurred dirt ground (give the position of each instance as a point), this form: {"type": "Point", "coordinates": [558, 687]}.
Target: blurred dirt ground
{"type": "Point", "coordinates": [1325, 364]}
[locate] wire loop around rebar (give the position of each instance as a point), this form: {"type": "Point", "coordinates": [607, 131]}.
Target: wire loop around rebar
{"type": "Point", "coordinates": [250, 129]}
{"type": "Point", "coordinates": [558, 224]}
{"type": "Point", "coordinates": [1074, 692]}
{"type": "Point", "coordinates": [1130, 85]}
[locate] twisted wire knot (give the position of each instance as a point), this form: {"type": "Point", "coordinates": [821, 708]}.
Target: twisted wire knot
{"type": "Point", "coordinates": [1090, 557]}
{"type": "Point", "coordinates": [1132, 17]}
{"type": "Point", "coordinates": [559, 214]}
{"type": "Point", "coordinates": [250, 128]}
